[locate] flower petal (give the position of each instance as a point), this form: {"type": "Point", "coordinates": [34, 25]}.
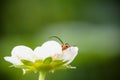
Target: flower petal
{"type": "Point", "coordinates": [49, 48]}
{"type": "Point", "coordinates": [23, 52]}
{"type": "Point", "coordinates": [13, 60]}
{"type": "Point", "coordinates": [69, 54]}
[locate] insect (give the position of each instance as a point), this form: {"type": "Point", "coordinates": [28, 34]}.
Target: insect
{"type": "Point", "coordinates": [64, 45]}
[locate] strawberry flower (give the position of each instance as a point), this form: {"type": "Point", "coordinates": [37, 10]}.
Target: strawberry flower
{"type": "Point", "coordinates": [48, 57]}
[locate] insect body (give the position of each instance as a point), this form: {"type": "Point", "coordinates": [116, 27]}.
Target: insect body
{"type": "Point", "coordinates": [64, 45]}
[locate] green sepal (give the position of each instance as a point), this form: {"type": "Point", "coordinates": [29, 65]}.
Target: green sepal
{"type": "Point", "coordinates": [18, 66]}
{"type": "Point", "coordinates": [39, 61]}
{"type": "Point", "coordinates": [43, 65]}
{"type": "Point", "coordinates": [71, 67]}
{"type": "Point", "coordinates": [27, 65]}
{"type": "Point", "coordinates": [26, 62]}
{"type": "Point", "coordinates": [57, 63]}
{"type": "Point", "coordinates": [47, 60]}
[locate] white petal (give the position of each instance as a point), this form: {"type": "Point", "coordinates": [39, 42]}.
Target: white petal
{"type": "Point", "coordinates": [39, 53]}
{"type": "Point", "coordinates": [69, 54]}
{"type": "Point", "coordinates": [49, 48]}
{"type": "Point", "coordinates": [23, 52]}
{"type": "Point", "coordinates": [13, 60]}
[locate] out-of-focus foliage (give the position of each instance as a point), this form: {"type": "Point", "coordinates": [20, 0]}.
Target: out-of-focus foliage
{"type": "Point", "coordinates": [92, 25]}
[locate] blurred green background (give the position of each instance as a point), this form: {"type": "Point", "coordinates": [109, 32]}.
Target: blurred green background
{"type": "Point", "coordinates": [92, 25]}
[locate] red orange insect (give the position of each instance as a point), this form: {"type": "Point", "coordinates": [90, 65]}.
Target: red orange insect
{"type": "Point", "coordinates": [64, 45]}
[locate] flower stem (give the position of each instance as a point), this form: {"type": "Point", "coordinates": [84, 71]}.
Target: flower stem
{"type": "Point", "coordinates": [42, 75]}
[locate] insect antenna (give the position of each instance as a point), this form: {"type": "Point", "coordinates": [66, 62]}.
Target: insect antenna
{"type": "Point", "coordinates": [57, 38]}
{"type": "Point", "coordinates": [67, 44]}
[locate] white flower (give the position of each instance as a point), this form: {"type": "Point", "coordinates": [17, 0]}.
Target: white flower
{"type": "Point", "coordinates": [49, 49]}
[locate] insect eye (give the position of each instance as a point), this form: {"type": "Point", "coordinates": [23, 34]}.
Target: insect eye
{"type": "Point", "coordinates": [66, 46]}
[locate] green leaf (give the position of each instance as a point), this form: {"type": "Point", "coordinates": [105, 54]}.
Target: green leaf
{"type": "Point", "coordinates": [48, 60]}
{"type": "Point", "coordinates": [26, 62]}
